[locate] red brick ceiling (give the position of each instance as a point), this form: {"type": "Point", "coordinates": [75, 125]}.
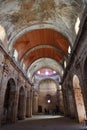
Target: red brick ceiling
{"type": "Point", "coordinates": [42, 53]}
{"type": "Point", "coordinates": [40, 37]}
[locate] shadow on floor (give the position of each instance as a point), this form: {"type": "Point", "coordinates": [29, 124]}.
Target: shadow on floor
{"type": "Point", "coordinates": [44, 122]}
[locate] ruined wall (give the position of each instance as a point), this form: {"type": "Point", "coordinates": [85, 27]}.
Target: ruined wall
{"type": "Point", "coordinates": [16, 15]}
{"type": "Point", "coordinates": [48, 91]}
{"type": "Point", "coordinates": [75, 76]}
{"type": "Point", "coordinates": [10, 72]}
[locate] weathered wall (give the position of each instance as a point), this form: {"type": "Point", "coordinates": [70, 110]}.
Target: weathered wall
{"type": "Point", "coordinates": [8, 70]}
{"type": "Point", "coordinates": [48, 91]}
{"type": "Point", "coordinates": [77, 68]}
{"type": "Point", "coordinates": [60, 15]}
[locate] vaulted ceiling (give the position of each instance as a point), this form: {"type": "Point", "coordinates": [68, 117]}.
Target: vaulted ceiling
{"type": "Point", "coordinates": [40, 31]}
{"type": "Point", "coordinates": [41, 43]}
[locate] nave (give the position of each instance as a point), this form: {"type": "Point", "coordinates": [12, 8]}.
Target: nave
{"type": "Point", "coordinates": [43, 64]}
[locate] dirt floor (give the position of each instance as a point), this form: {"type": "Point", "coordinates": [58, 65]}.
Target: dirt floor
{"type": "Point", "coordinates": [44, 122]}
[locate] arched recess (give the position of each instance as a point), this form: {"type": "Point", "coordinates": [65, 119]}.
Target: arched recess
{"type": "Point", "coordinates": [42, 63]}
{"type": "Point", "coordinates": [21, 104]}
{"type": "Point", "coordinates": [10, 102]}
{"type": "Point", "coordinates": [47, 87]}
{"type": "Point", "coordinates": [81, 113]}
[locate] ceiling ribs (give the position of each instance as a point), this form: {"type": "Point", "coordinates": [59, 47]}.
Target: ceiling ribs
{"type": "Point", "coordinates": [43, 46]}
{"type": "Point", "coordinates": [41, 43]}
{"type": "Point", "coordinates": [41, 52]}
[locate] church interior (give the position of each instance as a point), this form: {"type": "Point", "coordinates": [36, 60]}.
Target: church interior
{"type": "Point", "coordinates": [43, 60]}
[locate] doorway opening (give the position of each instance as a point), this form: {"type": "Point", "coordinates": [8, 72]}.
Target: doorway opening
{"type": "Point", "coordinates": [81, 113]}
{"type": "Point", "coordinates": [9, 101]}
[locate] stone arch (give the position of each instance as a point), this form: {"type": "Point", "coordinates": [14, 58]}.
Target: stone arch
{"type": "Point", "coordinates": [47, 87]}
{"type": "Point", "coordinates": [21, 104]}
{"type": "Point", "coordinates": [48, 62]}
{"type": "Point", "coordinates": [9, 106]}
{"type": "Point", "coordinates": [49, 81]}
{"type": "Point", "coordinates": [30, 28]}
{"type": "Point", "coordinates": [81, 113]}
{"type": "Point", "coordinates": [53, 80]}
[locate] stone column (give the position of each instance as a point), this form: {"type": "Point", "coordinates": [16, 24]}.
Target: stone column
{"type": "Point", "coordinates": [35, 104]}
{"type": "Point", "coordinates": [71, 104]}
{"type": "Point", "coordinates": [14, 97]}
{"type": "Point", "coordinates": [61, 108]}
{"type": "Point", "coordinates": [2, 87]}
{"type": "Point", "coordinates": [30, 103]}
{"type": "Point", "coordinates": [27, 106]}
{"type": "Point", "coordinates": [22, 107]}
{"type": "Point", "coordinates": [65, 102]}
{"type": "Point", "coordinates": [16, 107]}
{"type": "Point", "coordinates": [2, 96]}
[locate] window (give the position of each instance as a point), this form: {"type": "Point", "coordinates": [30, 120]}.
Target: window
{"type": "Point", "coordinates": [15, 56]}
{"type": "Point", "coordinates": [77, 25]}
{"type": "Point", "coordinates": [2, 34]}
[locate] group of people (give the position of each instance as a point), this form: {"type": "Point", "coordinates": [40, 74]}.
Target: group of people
{"type": "Point", "coordinates": [52, 111]}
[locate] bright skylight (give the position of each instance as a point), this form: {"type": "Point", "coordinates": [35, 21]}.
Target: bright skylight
{"type": "Point", "coordinates": [46, 72]}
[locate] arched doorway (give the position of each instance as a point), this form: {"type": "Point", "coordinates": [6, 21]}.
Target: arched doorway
{"type": "Point", "coordinates": [21, 104]}
{"type": "Point", "coordinates": [9, 102]}
{"type": "Point", "coordinates": [81, 113]}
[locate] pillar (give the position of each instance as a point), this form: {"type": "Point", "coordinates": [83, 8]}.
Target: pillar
{"type": "Point", "coordinates": [35, 103]}
{"type": "Point", "coordinates": [30, 103]}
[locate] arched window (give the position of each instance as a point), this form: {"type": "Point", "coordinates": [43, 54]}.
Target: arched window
{"type": "Point", "coordinates": [15, 55]}
{"type": "Point", "coordinates": [23, 66]}
{"type": "Point", "coordinates": [9, 101]}
{"type": "Point", "coordinates": [69, 50]}
{"type": "Point", "coordinates": [64, 64]}
{"type": "Point", "coordinates": [2, 34]}
{"type": "Point", "coordinates": [77, 25]}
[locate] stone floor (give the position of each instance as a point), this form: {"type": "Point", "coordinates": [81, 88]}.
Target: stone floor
{"type": "Point", "coordinates": [44, 122]}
